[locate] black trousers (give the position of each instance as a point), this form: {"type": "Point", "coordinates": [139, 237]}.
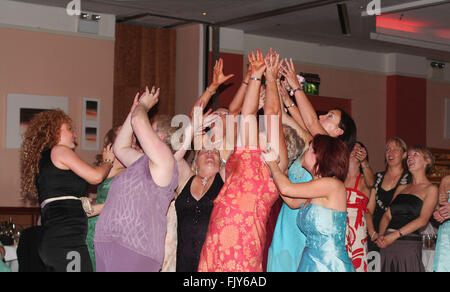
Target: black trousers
{"type": "Point", "coordinates": [27, 251]}
{"type": "Point", "coordinates": [62, 245]}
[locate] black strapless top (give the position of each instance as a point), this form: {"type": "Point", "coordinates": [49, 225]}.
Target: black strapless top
{"type": "Point", "coordinates": [52, 182]}
{"type": "Point", "coordinates": [404, 209]}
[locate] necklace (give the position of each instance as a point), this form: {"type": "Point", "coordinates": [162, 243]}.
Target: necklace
{"type": "Point", "coordinates": [204, 180]}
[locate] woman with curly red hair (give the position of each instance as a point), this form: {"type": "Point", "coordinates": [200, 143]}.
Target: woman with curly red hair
{"type": "Point", "coordinates": [53, 174]}
{"type": "Point", "coordinates": [323, 219]}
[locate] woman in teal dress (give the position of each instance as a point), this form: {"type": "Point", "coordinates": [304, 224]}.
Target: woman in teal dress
{"type": "Point", "coordinates": [442, 255]}
{"type": "Point", "coordinates": [324, 218]}
{"type": "Point", "coordinates": [288, 241]}
{"type": "Point", "coordinates": [102, 193]}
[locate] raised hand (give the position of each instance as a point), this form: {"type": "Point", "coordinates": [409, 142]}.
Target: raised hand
{"type": "Point", "coordinates": [218, 76]}
{"type": "Point", "coordinates": [287, 101]}
{"type": "Point", "coordinates": [288, 71]}
{"type": "Point", "coordinates": [149, 98]}
{"type": "Point", "coordinates": [257, 63]}
{"type": "Point", "coordinates": [135, 102]}
{"type": "Point", "coordinates": [273, 64]}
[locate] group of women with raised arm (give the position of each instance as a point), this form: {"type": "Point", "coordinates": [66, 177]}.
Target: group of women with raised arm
{"type": "Point", "coordinates": [157, 209]}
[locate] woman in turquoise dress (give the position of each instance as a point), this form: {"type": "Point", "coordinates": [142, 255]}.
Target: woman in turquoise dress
{"type": "Point", "coordinates": [288, 241]}
{"type": "Point", "coordinates": [102, 193]}
{"type": "Point", "coordinates": [442, 254]}
{"type": "Point", "coordinates": [323, 220]}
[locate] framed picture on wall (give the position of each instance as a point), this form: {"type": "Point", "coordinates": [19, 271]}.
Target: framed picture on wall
{"type": "Point", "coordinates": [91, 124]}
{"type": "Point", "coordinates": [21, 108]}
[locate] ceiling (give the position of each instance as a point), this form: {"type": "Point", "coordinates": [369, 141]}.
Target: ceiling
{"type": "Point", "coordinates": [421, 22]}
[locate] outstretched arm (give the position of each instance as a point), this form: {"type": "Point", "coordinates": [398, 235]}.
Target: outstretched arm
{"type": "Point", "coordinates": [162, 161]}
{"type": "Point", "coordinates": [123, 145]}
{"type": "Point", "coordinates": [249, 135]}
{"type": "Point", "coordinates": [236, 104]}
{"type": "Point", "coordinates": [218, 79]}
{"type": "Point", "coordinates": [272, 108]}
{"type": "Point", "coordinates": [294, 120]}
{"type": "Point", "coordinates": [307, 111]}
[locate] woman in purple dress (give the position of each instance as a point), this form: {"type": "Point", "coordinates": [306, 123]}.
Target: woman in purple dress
{"type": "Point", "coordinates": [131, 229]}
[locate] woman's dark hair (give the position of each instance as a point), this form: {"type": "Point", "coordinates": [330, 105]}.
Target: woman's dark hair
{"type": "Point", "coordinates": [332, 157]}
{"type": "Point", "coordinates": [347, 124]}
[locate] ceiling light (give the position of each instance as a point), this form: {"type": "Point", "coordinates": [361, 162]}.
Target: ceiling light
{"type": "Point", "coordinates": [204, 13]}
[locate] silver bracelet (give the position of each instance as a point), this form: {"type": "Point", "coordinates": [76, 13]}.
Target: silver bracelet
{"type": "Point", "coordinates": [289, 106]}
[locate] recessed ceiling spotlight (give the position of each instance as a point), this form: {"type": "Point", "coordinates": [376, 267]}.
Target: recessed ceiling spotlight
{"type": "Point", "coordinates": [84, 15]}
{"type": "Point", "coordinates": [204, 13]}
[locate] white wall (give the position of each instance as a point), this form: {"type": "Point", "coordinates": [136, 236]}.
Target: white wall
{"type": "Point", "coordinates": [20, 15]}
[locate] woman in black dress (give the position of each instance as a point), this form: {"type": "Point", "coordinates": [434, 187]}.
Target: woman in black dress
{"type": "Point", "coordinates": [194, 206]}
{"type": "Point", "coordinates": [386, 183]}
{"type": "Point", "coordinates": [409, 212]}
{"type": "Point", "coordinates": [53, 174]}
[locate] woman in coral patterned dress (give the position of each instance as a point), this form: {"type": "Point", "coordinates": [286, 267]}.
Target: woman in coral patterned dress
{"type": "Point", "coordinates": [357, 200]}
{"type": "Point", "coordinates": [237, 230]}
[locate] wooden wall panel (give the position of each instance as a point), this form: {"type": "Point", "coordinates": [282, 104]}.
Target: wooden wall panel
{"type": "Point", "coordinates": [143, 56]}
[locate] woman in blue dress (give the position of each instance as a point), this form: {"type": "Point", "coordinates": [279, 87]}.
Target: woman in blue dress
{"type": "Point", "coordinates": [323, 220]}
{"type": "Point", "coordinates": [288, 241]}
{"type": "Point", "coordinates": [442, 255]}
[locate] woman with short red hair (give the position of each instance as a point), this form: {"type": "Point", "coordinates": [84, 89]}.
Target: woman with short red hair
{"type": "Point", "coordinates": [324, 218]}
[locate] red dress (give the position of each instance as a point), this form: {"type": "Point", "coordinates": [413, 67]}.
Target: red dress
{"type": "Point", "coordinates": [236, 234]}
{"type": "Point", "coordinates": [356, 238]}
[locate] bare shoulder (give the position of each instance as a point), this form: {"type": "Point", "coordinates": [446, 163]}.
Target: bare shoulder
{"type": "Point", "coordinates": [432, 189]}
{"type": "Point", "coordinates": [60, 152]}
{"type": "Point", "coordinates": [332, 183]}
{"type": "Point", "coordinates": [401, 188]}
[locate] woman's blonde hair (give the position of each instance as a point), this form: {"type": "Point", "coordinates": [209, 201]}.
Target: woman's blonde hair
{"type": "Point", "coordinates": [426, 154]}
{"type": "Point", "coordinates": [294, 144]}
{"type": "Point", "coordinates": [163, 125]}
{"type": "Point", "coordinates": [400, 143]}
{"type": "Point", "coordinates": [43, 133]}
